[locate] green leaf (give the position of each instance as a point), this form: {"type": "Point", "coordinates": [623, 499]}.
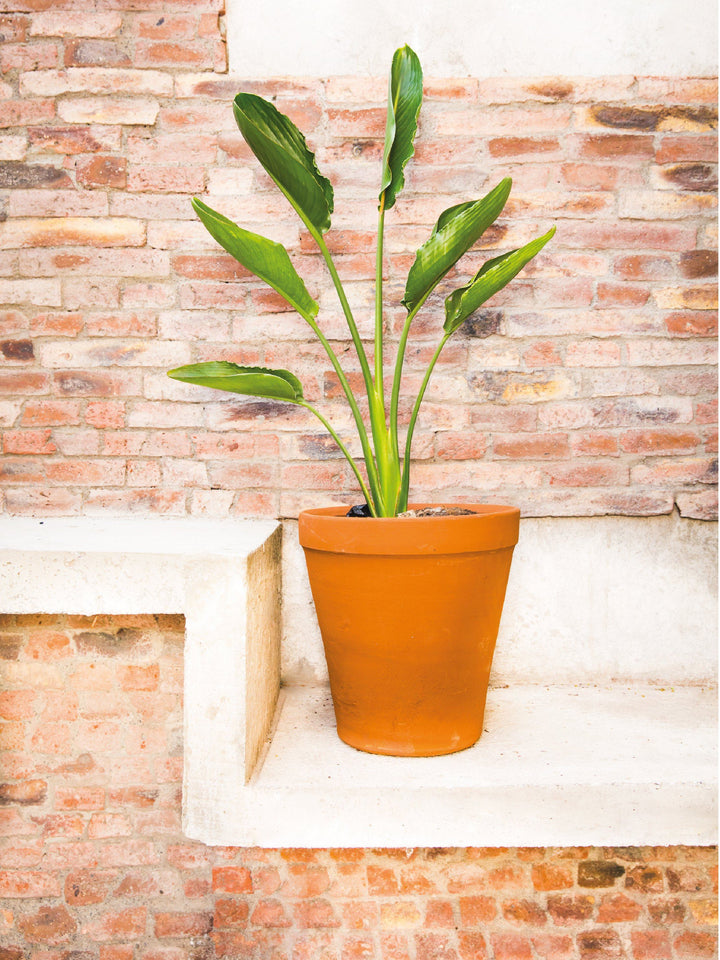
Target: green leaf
{"type": "Point", "coordinates": [491, 277]}
{"type": "Point", "coordinates": [265, 258]}
{"type": "Point", "coordinates": [457, 229]}
{"type": "Point", "coordinates": [283, 152]}
{"type": "Point", "coordinates": [250, 381]}
{"type": "Point", "coordinates": [404, 101]}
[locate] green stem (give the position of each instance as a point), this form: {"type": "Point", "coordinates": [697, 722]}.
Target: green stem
{"type": "Point", "coordinates": [352, 326]}
{"type": "Point", "coordinates": [411, 426]}
{"type": "Point", "coordinates": [376, 409]}
{"type": "Point", "coordinates": [399, 360]}
{"type": "Point", "coordinates": [379, 386]}
{"type": "Point", "coordinates": [367, 451]}
{"type": "Point", "coordinates": [346, 453]}
{"type": "Point", "coordinates": [359, 422]}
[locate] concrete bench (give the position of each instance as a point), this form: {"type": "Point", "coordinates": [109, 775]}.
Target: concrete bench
{"type": "Point", "coordinates": [585, 743]}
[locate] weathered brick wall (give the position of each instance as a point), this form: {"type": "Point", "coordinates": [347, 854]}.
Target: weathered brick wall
{"type": "Point", "coordinates": [587, 387]}
{"type": "Point", "coordinates": [94, 866]}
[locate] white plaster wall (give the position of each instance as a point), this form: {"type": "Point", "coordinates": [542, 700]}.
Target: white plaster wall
{"type": "Point", "coordinates": [459, 38]}
{"type": "Point", "coordinates": [590, 600]}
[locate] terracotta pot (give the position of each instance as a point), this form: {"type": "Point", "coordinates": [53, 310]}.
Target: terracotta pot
{"type": "Point", "coordinates": [409, 611]}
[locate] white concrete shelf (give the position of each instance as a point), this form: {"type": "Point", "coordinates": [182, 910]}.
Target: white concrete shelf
{"type": "Point", "coordinates": [555, 766]}
{"type": "Point", "coordinates": [578, 762]}
{"type": "Point", "coordinates": [222, 575]}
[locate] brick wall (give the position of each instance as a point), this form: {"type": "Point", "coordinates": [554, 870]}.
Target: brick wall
{"type": "Point", "coordinates": [94, 866]}
{"type": "Point", "coordinates": [587, 387]}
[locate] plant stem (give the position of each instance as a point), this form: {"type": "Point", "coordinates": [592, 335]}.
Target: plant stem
{"type": "Point", "coordinates": [376, 404]}
{"type": "Point", "coordinates": [352, 326]}
{"type": "Point", "coordinates": [346, 453]}
{"type": "Point", "coordinates": [359, 422]}
{"type": "Point", "coordinates": [388, 460]}
{"type": "Point", "coordinates": [399, 360]}
{"type": "Point", "coordinates": [402, 505]}
{"type": "Point", "coordinates": [379, 386]}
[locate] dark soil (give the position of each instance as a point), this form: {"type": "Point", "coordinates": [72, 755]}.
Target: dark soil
{"type": "Point", "coordinates": [362, 510]}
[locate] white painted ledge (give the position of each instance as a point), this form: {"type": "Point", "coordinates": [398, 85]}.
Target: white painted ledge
{"type": "Point", "coordinates": [222, 575]}
{"type": "Point", "coordinates": [556, 766]}
{"type": "Point", "coordinates": [591, 763]}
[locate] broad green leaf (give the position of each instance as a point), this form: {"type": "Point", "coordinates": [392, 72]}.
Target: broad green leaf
{"type": "Point", "coordinates": [457, 229]}
{"type": "Point", "coordinates": [404, 101]}
{"type": "Point", "coordinates": [265, 258]}
{"type": "Point", "coordinates": [283, 152]}
{"type": "Point", "coordinates": [251, 381]}
{"type": "Point", "coordinates": [491, 277]}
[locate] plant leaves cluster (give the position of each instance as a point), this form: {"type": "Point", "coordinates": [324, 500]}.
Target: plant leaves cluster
{"type": "Point", "coordinates": [282, 151]}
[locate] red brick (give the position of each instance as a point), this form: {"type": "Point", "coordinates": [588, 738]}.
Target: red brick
{"type": "Point", "coordinates": [659, 441]}
{"type": "Point", "coordinates": [399, 913]}
{"type": "Point", "coordinates": [82, 889]}
{"type": "Point", "coordinates": [416, 880]}
{"type": "Point", "coordinates": [475, 911]}
{"type": "Point", "coordinates": [28, 884]}
{"type": "Point", "coordinates": [55, 23]}
{"type": "Point", "coordinates": [523, 146]}
{"type": "Point", "coordinates": [688, 879]}
{"type": "Point", "coordinates": [18, 113]}
{"type": "Point", "coordinates": [82, 798]}
{"type": "Point", "coordinates": [439, 913]}
{"type": "Point", "coordinates": [645, 879]}
{"type": "Point", "coordinates": [650, 945]}
{"type": "Point", "coordinates": [666, 910]}
{"type": "Point", "coordinates": [189, 54]}
{"type": "Point", "coordinates": [24, 793]}
{"type": "Point", "coordinates": [510, 946]}
{"type": "Point", "coordinates": [531, 446]}
{"type": "Point", "coordinates": [692, 323]}
{"type": "Point", "coordinates": [675, 149]}
{"type": "Point", "coordinates": [552, 876]}
{"type": "Point", "coordinates": [170, 26]}
{"type": "Point", "coordinates": [588, 475]}
{"type": "Point", "coordinates": [122, 952]}
{"type": "Point", "coordinates": [45, 413]}
{"type": "Point", "coordinates": [175, 925]}
{"type": "Point", "coordinates": [306, 881]}
{"type": "Point", "coordinates": [553, 947]}
{"type": "Point", "coordinates": [599, 944]}
{"type": "Point", "coordinates": [232, 880]}
{"type": "Point", "coordinates": [618, 908]}
{"type": "Point", "coordinates": [102, 171]}
{"type": "Point", "coordinates": [472, 946]}
{"type": "Point", "coordinates": [159, 179]}
{"type": "Point", "coordinates": [95, 53]}
{"type": "Point", "coordinates": [48, 925]}
{"type": "Point", "coordinates": [14, 27]}
{"type": "Point", "coordinates": [567, 910]}
{"type": "Point", "coordinates": [270, 913]}
{"type": "Point", "coordinates": [524, 912]}
{"type": "Point", "coordinates": [695, 945]}
{"type": "Point", "coordinates": [140, 677]}
{"type": "Point", "coordinates": [316, 913]}
{"type": "Point", "coordinates": [28, 441]}
{"type": "Point", "coordinates": [52, 738]}
{"type": "Point", "coordinates": [127, 924]}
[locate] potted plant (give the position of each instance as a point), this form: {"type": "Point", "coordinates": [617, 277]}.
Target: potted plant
{"type": "Point", "coordinates": [408, 605]}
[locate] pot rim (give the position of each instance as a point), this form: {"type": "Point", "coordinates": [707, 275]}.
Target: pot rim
{"type": "Point", "coordinates": [489, 527]}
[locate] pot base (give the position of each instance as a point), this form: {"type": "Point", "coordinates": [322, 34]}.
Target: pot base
{"type": "Point", "coordinates": [396, 748]}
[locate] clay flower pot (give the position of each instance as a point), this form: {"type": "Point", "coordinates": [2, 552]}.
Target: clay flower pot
{"type": "Point", "coordinates": [409, 610]}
